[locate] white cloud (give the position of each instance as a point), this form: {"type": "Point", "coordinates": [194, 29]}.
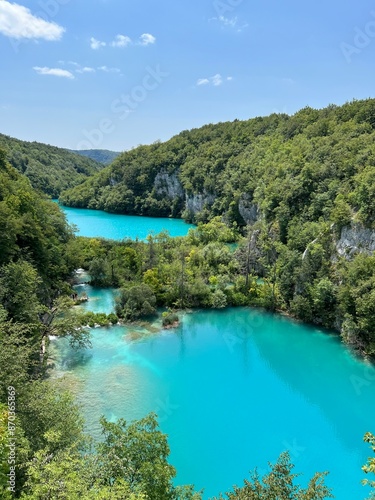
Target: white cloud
{"type": "Point", "coordinates": [17, 21]}
{"type": "Point", "coordinates": [215, 80]}
{"type": "Point", "coordinates": [96, 44]}
{"type": "Point", "coordinates": [85, 69]}
{"type": "Point", "coordinates": [147, 39]}
{"type": "Point", "coordinates": [109, 70]}
{"type": "Point", "coordinates": [78, 68]}
{"type": "Point", "coordinates": [203, 81]}
{"type": "Point", "coordinates": [54, 72]}
{"type": "Point", "coordinates": [228, 21]}
{"type": "Point", "coordinates": [121, 41]}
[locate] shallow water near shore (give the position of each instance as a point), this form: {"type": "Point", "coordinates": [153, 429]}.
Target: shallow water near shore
{"type": "Point", "coordinates": [232, 389]}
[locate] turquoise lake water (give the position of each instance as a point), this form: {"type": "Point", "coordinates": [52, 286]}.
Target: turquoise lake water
{"type": "Point", "coordinates": [233, 389]}
{"type": "Point", "coordinates": [95, 223]}
{"type": "Point", "coordinates": [100, 299]}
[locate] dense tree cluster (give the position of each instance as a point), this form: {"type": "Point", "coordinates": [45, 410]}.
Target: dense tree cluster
{"type": "Point", "coordinates": [279, 484]}
{"type": "Point", "coordinates": [49, 169]}
{"type": "Point", "coordinates": [215, 267]}
{"type": "Point", "coordinates": [34, 234]}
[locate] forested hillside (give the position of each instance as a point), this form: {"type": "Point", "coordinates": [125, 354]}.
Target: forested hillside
{"type": "Point", "coordinates": [100, 155]}
{"type": "Point", "coordinates": [50, 169]}
{"type": "Point", "coordinates": [317, 164]}
{"type": "Point", "coordinates": [33, 269]}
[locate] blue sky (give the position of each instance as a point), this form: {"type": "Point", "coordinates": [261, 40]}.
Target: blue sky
{"type": "Point", "coordinates": [117, 73]}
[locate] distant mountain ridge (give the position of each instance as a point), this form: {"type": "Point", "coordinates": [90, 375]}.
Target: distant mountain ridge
{"type": "Point", "coordinates": [104, 156]}
{"type": "Point", "coordinates": [50, 169]}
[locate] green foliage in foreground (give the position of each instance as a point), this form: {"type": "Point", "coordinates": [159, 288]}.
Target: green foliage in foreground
{"type": "Point", "coordinates": [34, 266]}
{"type": "Point", "coordinates": [49, 169]}
{"type": "Point", "coordinates": [279, 484]}
{"type": "Point", "coordinates": [131, 462]}
{"type": "Point", "coordinates": [369, 467]}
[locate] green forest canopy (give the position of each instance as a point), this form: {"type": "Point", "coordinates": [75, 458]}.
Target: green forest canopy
{"type": "Point", "coordinates": [50, 169]}
{"type": "Point", "coordinates": [314, 165]}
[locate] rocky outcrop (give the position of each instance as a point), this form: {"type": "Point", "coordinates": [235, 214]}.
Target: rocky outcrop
{"type": "Point", "coordinates": [195, 203]}
{"type": "Point", "coordinates": [248, 210]}
{"type": "Point", "coordinates": [355, 239]}
{"type": "Point", "coordinates": [168, 185]}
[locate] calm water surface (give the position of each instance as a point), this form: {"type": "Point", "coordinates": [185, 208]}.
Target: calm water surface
{"type": "Point", "coordinates": [233, 389]}
{"type": "Point", "coordinates": [95, 223]}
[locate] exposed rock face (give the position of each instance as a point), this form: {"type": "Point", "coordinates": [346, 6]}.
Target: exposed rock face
{"type": "Point", "coordinates": [195, 203]}
{"type": "Point", "coordinates": [355, 239]}
{"type": "Point", "coordinates": [168, 185]}
{"type": "Point", "coordinates": [249, 211]}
